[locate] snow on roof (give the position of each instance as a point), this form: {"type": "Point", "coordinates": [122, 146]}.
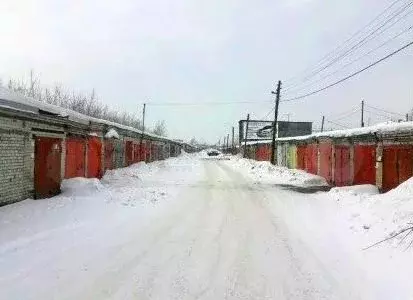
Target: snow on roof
{"type": "Point", "coordinates": [112, 133]}
{"type": "Point", "coordinates": [381, 128]}
{"type": "Point", "coordinates": [15, 101]}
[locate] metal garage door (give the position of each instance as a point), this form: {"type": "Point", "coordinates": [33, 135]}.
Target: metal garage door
{"type": "Point", "coordinates": [397, 165]}
{"type": "Point", "coordinates": [75, 157]}
{"type": "Point", "coordinates": [325, 161]}
{"type": "Point", "coordinates": [94, 158]}
{"type": "Point", "coordinates": [342, 166]}
{"type": "Point", "coordinates": [364, 164]}
{"type": "Point", "coordinates": [47, 166]}
{"type": "Point", "coordinates": [109, 154]}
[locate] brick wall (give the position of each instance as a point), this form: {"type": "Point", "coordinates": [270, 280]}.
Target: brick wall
{"type": "Point", "coordinates": [12, 168]}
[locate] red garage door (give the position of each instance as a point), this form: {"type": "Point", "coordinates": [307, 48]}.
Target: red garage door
{"type": "Point", "coordinates": [301, 157]}
{"type": "Point", "coordinates": [342, 166]}
{"type": "Point", "coordinates": [129, 153]}
{"type": "Point", "coordinates": [94, 155]}
{"type": "Point", "coordinates": [136, 156]}
{"type": "Point", "coordinates": [397, 166]}
{"type": "Point", "coordinates": [263, 153]}
{"type": "Point", "coordinates": [109, 154]}
{"type": "Point", "coordinates": [311, 159]}
{"type": "Point", "coordinates": [148, 157]}
{"type": "Point", "coordinates": [47, 166]}
{"type": "Point", "coordinates": [325, 161]}
{"type": "Point", "coordinates": [364, 164]}
{"type": "Point", "coordinates": [75, 157]}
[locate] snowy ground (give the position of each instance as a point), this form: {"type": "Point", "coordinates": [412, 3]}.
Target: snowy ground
{"type": "Point", "coordinates": [190, 228]}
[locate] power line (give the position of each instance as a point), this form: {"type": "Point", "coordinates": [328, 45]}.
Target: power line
{"type": "Point", "coordinates": [355, 60]}
{"type": "Point", "coordinates": [364, 40]}
{"type": "Point", "coordinates": [268, 114]}
{"type": "Point", "coordinates": [350, 76]}
{"type": "Point", "coordinates": [338, 124]}
{"type": "Point", "coordinates": [348, 115]}
{"type": "Point", "coordinates": [379, 115]}
{"type": "Point", "coordinates": [386, 111]}
{"type": "Point", "coordinates": [204, 103]}
{"type": "Point", "coordinates": [329, 54]}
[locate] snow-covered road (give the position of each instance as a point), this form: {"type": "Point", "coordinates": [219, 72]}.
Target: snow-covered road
{"type": "Point", "coordinates": [219, 235]}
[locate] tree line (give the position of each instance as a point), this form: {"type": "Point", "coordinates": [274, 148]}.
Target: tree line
{"type": "Point", "coordinates": [84, 103]}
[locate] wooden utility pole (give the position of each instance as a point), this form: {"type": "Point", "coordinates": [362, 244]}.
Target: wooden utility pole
{"type": "Point", "coordinates": [141, 150]}
{"type": "Point", "coordinates": [233, 145]}
{"type": "Point", "coordinates": [362, 113]}
{"type": "Point", "coordinates": [322, 124]}
{"type": "Point", "coordinates": [274, 127]}
{"type": "Point", "coordinates": [246, 135]}
{"type": "Point", "coordinates": [228, 142]}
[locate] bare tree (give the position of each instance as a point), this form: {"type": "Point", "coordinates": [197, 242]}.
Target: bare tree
{"type": "Point", "coordinates": [160, 128]}
{"type": "Point", "coordinates": [86, 104]}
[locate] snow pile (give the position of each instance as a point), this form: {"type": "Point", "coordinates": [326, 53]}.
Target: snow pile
{"type": "Point", "coordinates": [264, 171]}
{"type": "Point", "coordinates": [112, 133]}
{"type": "Point", "coordinates": [375, 215]}
{"type": "Point", "coordinates": [81, 186]}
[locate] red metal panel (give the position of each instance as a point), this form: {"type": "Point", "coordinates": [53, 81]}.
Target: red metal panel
{"type": "Point", "coordinates": [75, 157]}
{"type": "Point", "coordinates": [109, 154]}
{"type": "Point", "coordinates": [404, 159]}
{"type": "Point", "coordinates": [364, 164]}
{"type": "Point", "coordinates": [397, 165]}
{"type": "Point", "coordinates": [94, 158]}
{"type": "Point", "coordinates": [47, 166]}
{"type": "Point", "coordinates": [148, 157]}
{"type": "Point", "coordinates": [263, 152]}
{"type": "Point", "coordinates": [136, 156]}
{"type": "Point", "coordinates": [142, 151]}
{"type": "Point", "coordinates": [154, 152]}
{"type": "Point", "coordinates": [301, 149]}
{"type": "Point", "coordinates": [129, 153]}
{"type": "Point", "coordinates": [311, 159]}
{"type": "Point", "coordinates": [390, 174]}
{"type": "Point", "coordinates": [325, 161]}
{"type": "Point", "coordinates": [342, 166]}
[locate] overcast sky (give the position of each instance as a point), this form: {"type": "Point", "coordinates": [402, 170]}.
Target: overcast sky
{"type": "Point", "coordinates": [135, 51]}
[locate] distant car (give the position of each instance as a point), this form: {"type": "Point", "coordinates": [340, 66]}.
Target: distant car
{"type": "Point", "coordinates": [213, 153]}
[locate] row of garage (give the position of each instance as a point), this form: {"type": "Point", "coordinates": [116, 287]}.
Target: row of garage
{"type": "Point", "coordinates": [381, 155]}
{"type": "Point", "coordinates": [40, 145]}
{"type": "Point", "coordinates": [88, 156]}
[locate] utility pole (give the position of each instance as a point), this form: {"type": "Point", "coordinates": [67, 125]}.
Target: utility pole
{"type": "Point", "coordinates": [322, 124]}
{"type": "Point", "coordinates": [274, 129]}
{"type": "Point", "coordinates": [233, 145]}
{"type": "Point", "coordinates": [141, 150]}
{"type": "Point", "coordinates": [246, 135]}
{"type": "Point", "coordinates": [362, 113]}
{"type": "Point", "coordinates": [228, 142]}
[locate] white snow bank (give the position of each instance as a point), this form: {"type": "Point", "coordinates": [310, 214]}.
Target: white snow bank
{"type": "Point", "coordinates": [264, 171]}
{"type": "Point", "coordinates": [365, 189]}
{"type": "Point", "coordinates": [81, 186]}
{"type": "Point", "coordinates": [112, 133]}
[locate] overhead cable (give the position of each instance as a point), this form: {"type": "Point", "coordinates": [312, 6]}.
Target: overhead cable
{"type": "Point", "coordinates": [345, 52]}
{"type": "Point", "coordinates": [349, 76]}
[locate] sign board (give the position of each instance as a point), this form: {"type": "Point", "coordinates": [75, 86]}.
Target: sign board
{"type": "Point", "coordinates": [257, 130]}
{"type": "Point", "coordinates": [262, 130]}
{"type": "Point", "coordinates": [287, 129]}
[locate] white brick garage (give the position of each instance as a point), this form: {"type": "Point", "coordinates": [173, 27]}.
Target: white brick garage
{"type": "Point", "coordinates": [12, 166]}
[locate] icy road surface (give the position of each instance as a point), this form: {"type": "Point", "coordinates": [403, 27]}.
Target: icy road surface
{"type": "Point", "coordinates": [204, 231]}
